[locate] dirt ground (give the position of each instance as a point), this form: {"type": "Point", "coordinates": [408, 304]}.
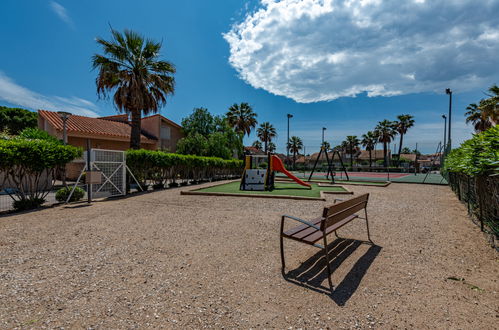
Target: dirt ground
{"type": "Point", "coordinates": [165, 260]}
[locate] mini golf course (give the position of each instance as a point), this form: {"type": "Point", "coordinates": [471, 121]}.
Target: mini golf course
{"type": "Point", "coordinates": [282, 190]}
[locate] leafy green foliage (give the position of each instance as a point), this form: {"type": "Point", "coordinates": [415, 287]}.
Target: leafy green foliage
{"type": "Point", "coordinates": [14, 120]}
{"type": "Point", "coordinates": [159, 166]}
{"type": "Point", "coordinates": [200, 121]}
{"type": "Point", "coordinates": [29, 166]}
{"type": "Point", "coordinates": [476, 156]}
{"type": "Point", "coordinates": [32, 133]}
{"type": "Point", "coordinates": [62, 194]}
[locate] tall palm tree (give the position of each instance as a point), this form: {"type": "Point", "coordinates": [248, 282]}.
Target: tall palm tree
{"type": "Point", "coordinates": [386, 131]}
{"type": "Point", "coordinates": [295, 144]}
{"type": "Point", "coordinates": [403, 124]}
{"type": "Point", "coordinates": [242, 118]}
{"type": "Point", "coordinates": [272, 147]}
{"type": "Point", "coordinates": [352, 142]}
{"type": "Point", "coordinates": [477, 117]}
{"type": "Point", "coordinates": [326, 145]}
{"type": "Point", "coordinates": [369, 142]}
{"type": "Point", "coordinates": [257, 144]}
{"type": "Point", "coordinates": [266, 132]}
{"type": "Point", "coordinates": [131, 68]}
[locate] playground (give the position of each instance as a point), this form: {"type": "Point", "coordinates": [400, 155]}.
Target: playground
{"type": "Point", "coordinates": [161, 259]}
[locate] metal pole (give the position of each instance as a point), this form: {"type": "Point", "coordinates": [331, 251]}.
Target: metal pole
{"type": "Point", "coordinates": [445, 131]}
{"type": "Point", "coordinates": [323, 129]}
{"type": "Point", "coordinates": [449, 92]}
{"type": "Point", "coordinates": [64, 131]}
{"type": "Point", "coordinates": [287, 142]}
{"type": "Point", "coordinates": [89, 186]}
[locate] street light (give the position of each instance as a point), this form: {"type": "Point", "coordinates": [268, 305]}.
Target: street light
{"type": "Point", "coordinates": [323, 129]}
{"type": "Point", "coordinates": [64, 116]}
{"type": "Point", "coordinates": [287, 142]}
{"type": "Point", "coordinates": [445, 131]}
{"type": "Point", "coordinates": [448, 91]}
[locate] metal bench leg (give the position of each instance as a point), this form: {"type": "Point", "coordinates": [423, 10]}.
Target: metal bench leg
{"type": "Point", "coordinates": [283, 263]}
{"type": "Point", "coordinates": [336, 234]}
{"type": "Point", "coordinates": [326, 252]}
{"type": "Point", "coordinates": [367, 225]}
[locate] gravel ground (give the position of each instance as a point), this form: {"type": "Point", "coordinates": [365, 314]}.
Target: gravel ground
{"type": "Point", "coordinates": [165, 260]}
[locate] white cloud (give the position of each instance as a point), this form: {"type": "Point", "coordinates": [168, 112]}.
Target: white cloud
{"type": "Point", "coordinates": [61, 12]}
{"type": "Point", "coordinates": [319, 50]}
{"type": "Point", "coordinates": [19, 95]}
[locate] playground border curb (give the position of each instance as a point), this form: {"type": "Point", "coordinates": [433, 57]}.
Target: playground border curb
{"type": "Point", "coordinates": [341, 183]}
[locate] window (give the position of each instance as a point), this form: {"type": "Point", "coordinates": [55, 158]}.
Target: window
{"type": "Point", "coordinates": [165, 133]}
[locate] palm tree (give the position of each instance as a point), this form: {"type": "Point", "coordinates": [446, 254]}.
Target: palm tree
{"type": "Point", "coordinates": [403, 124]}
{"type": "Point", "coordinates": [353, 142]}
{"type": "Point", "coordinates": [326, 145]}
{"type": "Point", "coordinates": [295, 144]}
{"type": "Point", "coordinates": [131, 68]}
{"type": "Point", "coordinates": [272, 147]}
{"type": "Point", "coordinates": [369, 142]}
{"type": "Point", "coordinates": [266, 132]}
{"type": "Point", "coordinates": [242, 118]}
{"type": "Point", "coordinates": [386, 131]}
{"type": "Point", "coordinates": [477, 117]}
{"type": "Point", "coordinates": [257, 144]}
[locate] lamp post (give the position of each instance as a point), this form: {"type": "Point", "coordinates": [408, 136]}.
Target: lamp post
{"type": "Point", "coordinates": [323, 129]}
{"type": "Point", "coordinates": [448, 91]}
{"type": "Point", "coordinates": [64, 116]}
{"type": "Point", "coordinates": [287, 142]}
{"type": "Point", "coordinates": [445, 131]}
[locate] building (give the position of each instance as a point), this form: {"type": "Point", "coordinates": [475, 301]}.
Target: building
{"type": "Point", "coordinates": [112, 132]}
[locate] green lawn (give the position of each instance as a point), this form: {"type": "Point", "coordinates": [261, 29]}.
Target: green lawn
{"type": "Point", "coordinates": [281, 188]}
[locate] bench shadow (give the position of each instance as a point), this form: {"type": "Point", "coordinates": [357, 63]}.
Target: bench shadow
{"type": "Point", "coordinates": [312, 273]}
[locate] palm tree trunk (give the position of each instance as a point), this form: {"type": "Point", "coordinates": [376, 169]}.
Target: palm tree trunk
{"type": "Point", "coordinates": [135, 135]}
{"type": "Point", "coordinates": [400, 148]}
{"type": "Point", "coordinates": [370, 158]}
{"type": "Point", "coordinates": [294, 160]}
{"type": "Point", "coordinates": [385, 154]}
{"type": "Point", "coordinates": [266, 145]}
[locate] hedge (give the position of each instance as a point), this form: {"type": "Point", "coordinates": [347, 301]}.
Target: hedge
{"type": "Point", "coordinates": [160, 167]}
{"type": "Point", "coordinates": [29, 166]}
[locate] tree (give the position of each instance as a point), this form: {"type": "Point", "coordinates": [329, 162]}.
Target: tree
{"type": "Point", "coordinates": [369, 142]}
{"type": "Point", "coordinates": [200, 121]}
{"type": "Point", "coordinates": [326, 145]}
{"type": "Point", "coordinates": [386, 131]}
{"type": "Point", "coordinates": [402, 125]}
{"type": "Point", "coordinates": [194, 144]}
{"type": "Point", "coordinates": [257, 144]}
{"type": "Point", "coordinates": [478, 117]}
{"type": "Point", "coordinates": [272, 147]}
{"type": "Point", "coordinates": [266, 132]}
{"type": "Point", "coordinates": [405, 150]}
{"type": "Point", "coordinates": [242, 118]}
{"type": "Point", "coordinates": [295, 144]}
{"type": "Point", "coordinates": [131, 68]}
{"type": "Point", "coordinates": [353, 142]}
{"type": "Point", "coordinates": [14, 120]}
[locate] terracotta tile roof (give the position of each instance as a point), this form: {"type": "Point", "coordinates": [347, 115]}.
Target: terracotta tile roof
{"type": "Point", "coordinates": [375, 154]}
{"type": "Point", "coordinates": [254, 151]}
{"type": "Point", "coordinates": [122, 118]}
{"type": "Point", "coordinates": [92, 126]}
{"type": "Point", "coordinates": [171, 122]}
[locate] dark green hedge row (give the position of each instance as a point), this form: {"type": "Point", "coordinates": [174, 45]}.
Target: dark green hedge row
{"type": "Point", "coordinates": [159, 166]}
{"type": "Point", "coordinates": [476, 156]}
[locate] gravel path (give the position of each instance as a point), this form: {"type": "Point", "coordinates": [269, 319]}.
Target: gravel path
{"type": "Point", "coordinates": [166, 260]}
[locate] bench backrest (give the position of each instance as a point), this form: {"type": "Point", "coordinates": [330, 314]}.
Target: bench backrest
{"type": "Point", "coordinates": [339, 211]}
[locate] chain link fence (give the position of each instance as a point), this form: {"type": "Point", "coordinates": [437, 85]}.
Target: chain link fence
{"type": "Point", "coordinates": [481, 196]}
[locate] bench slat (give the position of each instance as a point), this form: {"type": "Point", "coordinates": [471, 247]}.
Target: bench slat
{"type": "Point", "coordinates": [334, 218]}
{"type": "Point", "coordinates": [294, 230]}
{"type": "Point", "coordinates": [335, 208]}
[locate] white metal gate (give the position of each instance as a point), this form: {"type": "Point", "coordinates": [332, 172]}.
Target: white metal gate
{"type": "Point", "coordinates": [112, 164]}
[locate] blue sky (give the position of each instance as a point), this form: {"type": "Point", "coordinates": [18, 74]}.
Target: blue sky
{"type": "Point", "coordinates": [344, 65]}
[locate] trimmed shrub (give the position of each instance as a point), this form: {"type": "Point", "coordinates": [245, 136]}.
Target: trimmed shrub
{"type": "Point", "coordinates": [62, 194]}
{"type": "Point", "coordinates": [29, 166]}
{"type": "Point", "coordinates": [159, 167]}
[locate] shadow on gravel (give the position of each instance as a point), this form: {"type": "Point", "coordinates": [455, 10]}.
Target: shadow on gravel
{"type": "Point", "coordinates": [312, 273]}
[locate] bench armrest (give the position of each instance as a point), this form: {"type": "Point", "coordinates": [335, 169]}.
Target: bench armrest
{"type": "Point", "coordinates": [302, 221]}
{"type": "Point", "coordinates": [338, 199]}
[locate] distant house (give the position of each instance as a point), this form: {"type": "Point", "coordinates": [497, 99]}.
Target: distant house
{"type": "Point", "coordinates": [112, 132]}
{"type": "Point", "coordinates": [375, 154]}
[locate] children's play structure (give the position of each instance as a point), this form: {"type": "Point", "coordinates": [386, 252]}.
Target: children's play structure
{"type": "Point", "coordinates": [330, 166]}
{"type": "Point", "coordinates": [255, 178]}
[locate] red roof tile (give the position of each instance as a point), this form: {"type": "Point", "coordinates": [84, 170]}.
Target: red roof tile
{"type": "Point", "coordinates": [91, 126]}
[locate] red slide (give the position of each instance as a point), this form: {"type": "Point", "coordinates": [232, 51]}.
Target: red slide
{"type": "Point", "coordinates": [277, 165]}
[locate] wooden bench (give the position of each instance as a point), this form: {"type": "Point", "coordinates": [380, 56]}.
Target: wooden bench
{"type": "Point", "coordinates": [333, 217]}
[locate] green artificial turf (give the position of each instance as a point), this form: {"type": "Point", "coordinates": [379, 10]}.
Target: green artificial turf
{"type": "Point", "coordinates": [281, 188]}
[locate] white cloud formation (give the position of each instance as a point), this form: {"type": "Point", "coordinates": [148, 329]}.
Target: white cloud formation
{"type": "Point", "coordinates": [19, 95]}
{"type": "Point", "coordinates": [61, 12]}
{"type": "Point", "coordinates": [319, 50]}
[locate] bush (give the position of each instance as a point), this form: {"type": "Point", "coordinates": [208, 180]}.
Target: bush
{"type": "Point", "coordinates": [62, 194]}
{"type": "Point", "coordinates": [14, 120]}
{"type": "Point", "coordinates": [29, 166]}
{"type": "Point", "coordinates": [476, 156]}
{"type": "Point", "coordinates": [159, 166]}
{"type": "Point", "coordinates": [32, 133]}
